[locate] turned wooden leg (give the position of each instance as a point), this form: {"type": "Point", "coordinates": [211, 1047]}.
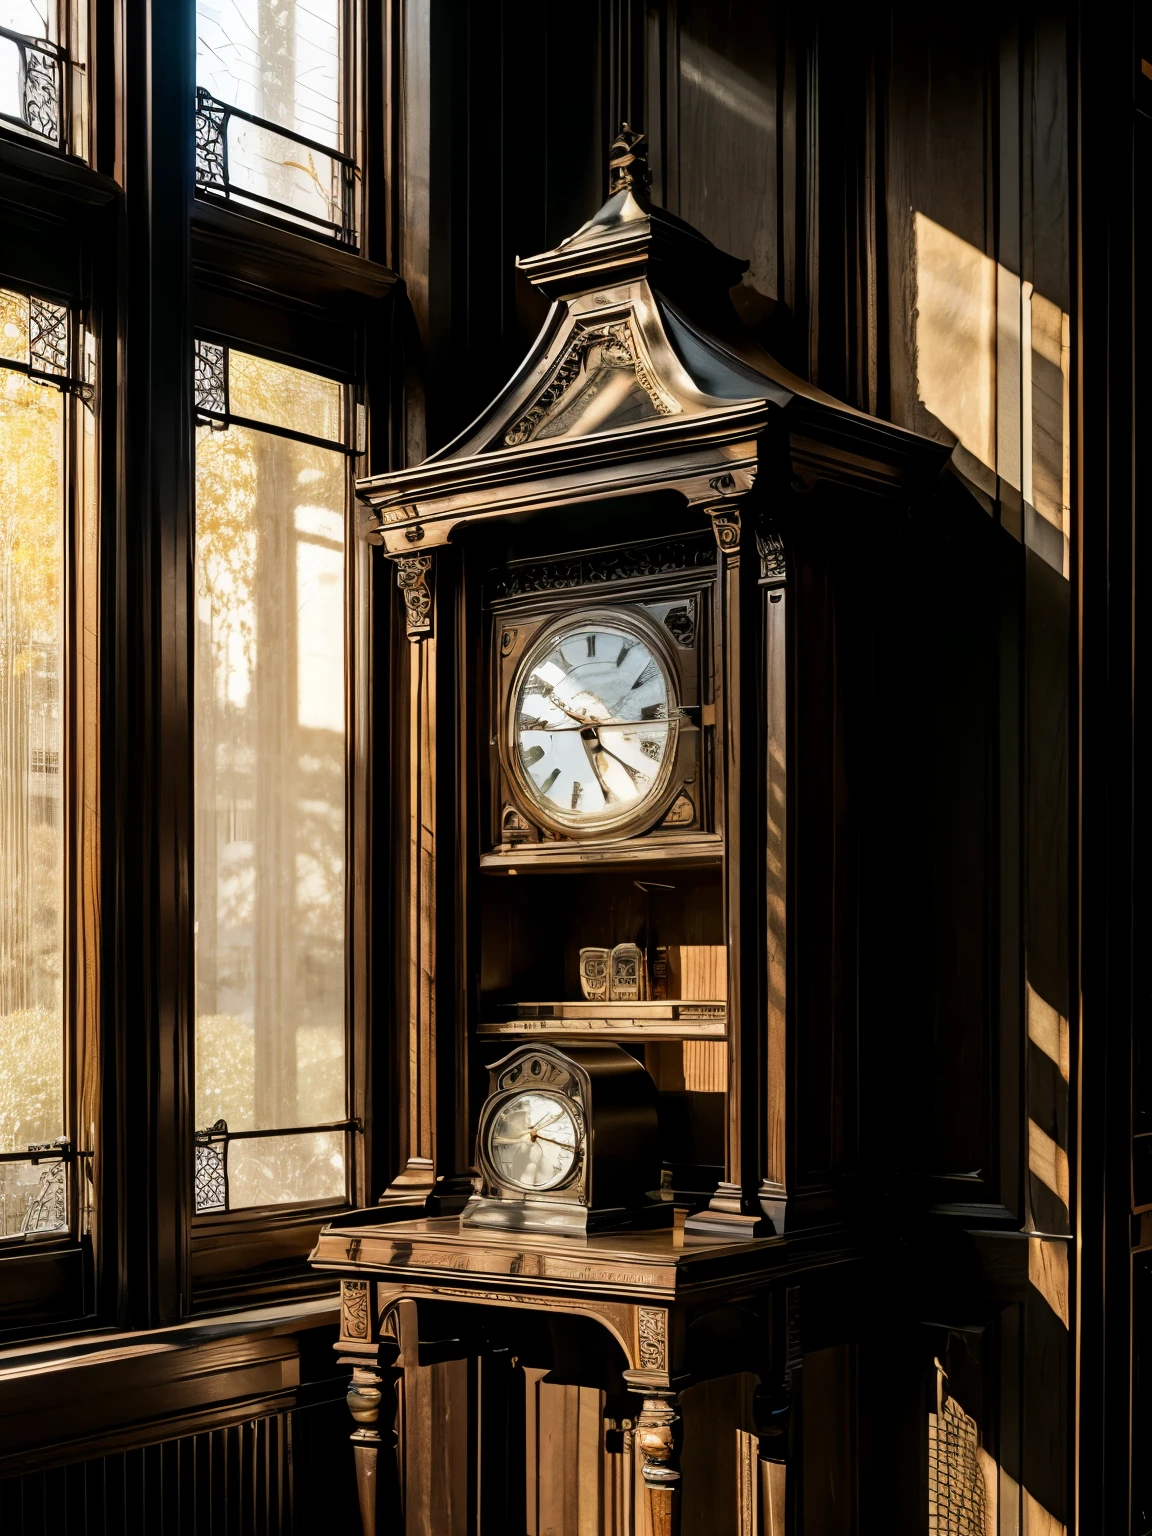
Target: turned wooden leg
{"type": "Point", "coordinates": [658, 1436]}
{"type": "Point", "coordinates": [371, 1393]}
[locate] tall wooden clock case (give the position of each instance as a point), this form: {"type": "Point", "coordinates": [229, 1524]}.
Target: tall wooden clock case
{"type": "Point", "coordinates": [592, 781]}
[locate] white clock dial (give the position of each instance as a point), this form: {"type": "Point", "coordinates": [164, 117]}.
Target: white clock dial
{"type": "Point", "coordinates": [595, 724]}
{"type": "Point", "coordinates": [532, 1141]}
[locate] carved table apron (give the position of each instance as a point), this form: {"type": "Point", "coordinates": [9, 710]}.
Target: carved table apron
{"type": "Point", "coordinates": [644, 1287]}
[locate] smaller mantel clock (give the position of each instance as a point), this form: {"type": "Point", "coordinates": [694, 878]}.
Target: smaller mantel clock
{"type": "Point", "coordinates": [568, 1142]}
{"type": "Point", "coordinates": [593, 721]}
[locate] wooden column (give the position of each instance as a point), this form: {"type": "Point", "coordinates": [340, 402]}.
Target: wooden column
{"type": "Point", "coordinates": [734, 1210]}
{"type": "Point", "coordinates": [772, 687]}
{"type": "Point", "coordinates": [416, 1076]}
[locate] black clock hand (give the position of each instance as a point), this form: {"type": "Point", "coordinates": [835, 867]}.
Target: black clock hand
{"type": "Point", "coordinates": [598, 725]}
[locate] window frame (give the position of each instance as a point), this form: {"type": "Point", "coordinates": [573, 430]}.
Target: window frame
{"type": "Point", "coordinates": [227, 272]}
{"type": "Point", "coordinates": [331, 315]}
{"type": "Point", "coordinates": [47, 1280]}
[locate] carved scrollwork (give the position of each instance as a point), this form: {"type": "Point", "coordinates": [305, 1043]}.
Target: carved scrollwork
{"type": "Point", "coordinates": [770, 547]}
{"type": "Point", "coordinates": [414, 579]}
{"type": "Point", "coordinates": [680, 622]}
{"type": "Point", "coordinates": [652, 1329]}
{"type": "Point", "coordinates": [354, 1309]}
{"type": "Point", "coordinates": [624, 564]}
{"type": "Point", "coordinates": [615, 346]}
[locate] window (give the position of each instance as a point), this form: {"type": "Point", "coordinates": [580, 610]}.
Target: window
{"type": "Point", "coordinates": [39, 435]}
{"type": "Point", "coordinates": [42, 85]}
{"type": "Point", "coordinates": [272, 117]}
{"type": "Point", "coordinates": [270, 783]}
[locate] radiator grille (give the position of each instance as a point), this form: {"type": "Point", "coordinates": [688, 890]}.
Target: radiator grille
{"type": "Point", "coordinates": [262, 1477]}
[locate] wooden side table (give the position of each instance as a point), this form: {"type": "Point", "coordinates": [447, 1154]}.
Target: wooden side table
{"type": "Point", "coordinates": [665, 1300]}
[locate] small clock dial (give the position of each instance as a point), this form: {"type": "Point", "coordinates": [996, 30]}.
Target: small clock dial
{"type": "Point", "coordinates": [595, 724]}
{"type": "Point", "coordinates": [532, 1141]}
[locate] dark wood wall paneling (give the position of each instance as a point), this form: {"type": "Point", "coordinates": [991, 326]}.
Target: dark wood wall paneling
{"type": "Point", "coordinates": [1114, 328]}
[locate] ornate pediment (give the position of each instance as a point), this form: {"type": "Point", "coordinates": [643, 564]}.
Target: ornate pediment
{"type": "Point", "coordinates": [642, 378]}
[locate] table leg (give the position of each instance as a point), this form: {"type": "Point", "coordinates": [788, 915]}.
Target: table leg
{"type": "Point", "coordinates": [372, 1390]}
{"type": "Point", "coordinates": [658, 1436]}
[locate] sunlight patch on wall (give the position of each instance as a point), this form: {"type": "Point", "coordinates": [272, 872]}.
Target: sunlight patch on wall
{"type": "Point", "coordinates": [1048, 1273]}
{"type": "Point", "coordinates": [1048, 1161]}
{"type": "Point", "coordinates": [992, 365]}
{"type": "Point", "coordinates": [1047, 1029]}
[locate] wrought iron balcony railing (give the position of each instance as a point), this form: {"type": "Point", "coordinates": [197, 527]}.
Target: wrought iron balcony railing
{"type": "Point", "coordinates": [316, 171]}
{"type": "Point", "coordinates": [42, 70]}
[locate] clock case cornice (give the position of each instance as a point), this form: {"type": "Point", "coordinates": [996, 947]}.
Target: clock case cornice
{"type": "Point", "coordinates": [645, 281]}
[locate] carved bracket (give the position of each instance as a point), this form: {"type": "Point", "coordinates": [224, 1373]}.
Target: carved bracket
{"type": "Point", "coordinates": [773, 565]}
{"type": "Point", "coordinates": [414, 579]}
{"type": "Point", "coordinates": [726, 527]}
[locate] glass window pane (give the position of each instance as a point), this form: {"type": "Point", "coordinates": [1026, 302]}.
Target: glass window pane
{"type": "Point", "coordinates": [33, 1198]}
{"type": "Point", "coordinates": [13, 326]}
{"type": "Point", "coordinates": [277, 1170]}
{"type": "Point", "coordinates": [31, 760]}
{"type": "Point", "coordinates": [270, 779]}
{"type": "Point", "coordinates": [35, 18]}
{"type": "Point", "coordinates": [285, 397]}
{"type": "Point", "coordinates": [278, 59]}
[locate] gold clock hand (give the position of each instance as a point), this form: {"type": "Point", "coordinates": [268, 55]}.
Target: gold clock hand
{"type": "Point", "coordinates": [591, 755]}
{"type": "Point", "coordinates": [552, 1140]}
{"type": "Point", "coordinates": [631, 768]}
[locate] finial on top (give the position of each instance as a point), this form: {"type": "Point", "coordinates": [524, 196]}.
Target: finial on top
{"type": "Point", "coordinates": [627, 162]}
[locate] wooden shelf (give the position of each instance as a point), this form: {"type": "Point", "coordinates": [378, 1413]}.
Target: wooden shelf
{"type": "Point", "coordinates": [534, 858]}
{"type": "Point", "coordinates": [664, 1020]}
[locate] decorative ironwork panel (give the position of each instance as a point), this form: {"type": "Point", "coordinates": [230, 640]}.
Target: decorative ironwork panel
{"type": "Point", "coordinates": [211, 165]}
{"type": "Point", "coordinates": [38, 83]}
{"type": "Point", "coordinates": [48, 339]}
{"type": "Point", "coordinates": [41, 94]}
{"type": "Point", "coordinates": [210, 383]}
{"type": "Point", "coordinates": [211, 1173]}
{"type": "Point", "coordinates": [48, 1209]}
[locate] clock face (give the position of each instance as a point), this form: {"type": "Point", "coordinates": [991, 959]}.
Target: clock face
{"type": "Point", "coordinates": [533, 1140]}
{"type": "Point", "coordinates": [595, 725]}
